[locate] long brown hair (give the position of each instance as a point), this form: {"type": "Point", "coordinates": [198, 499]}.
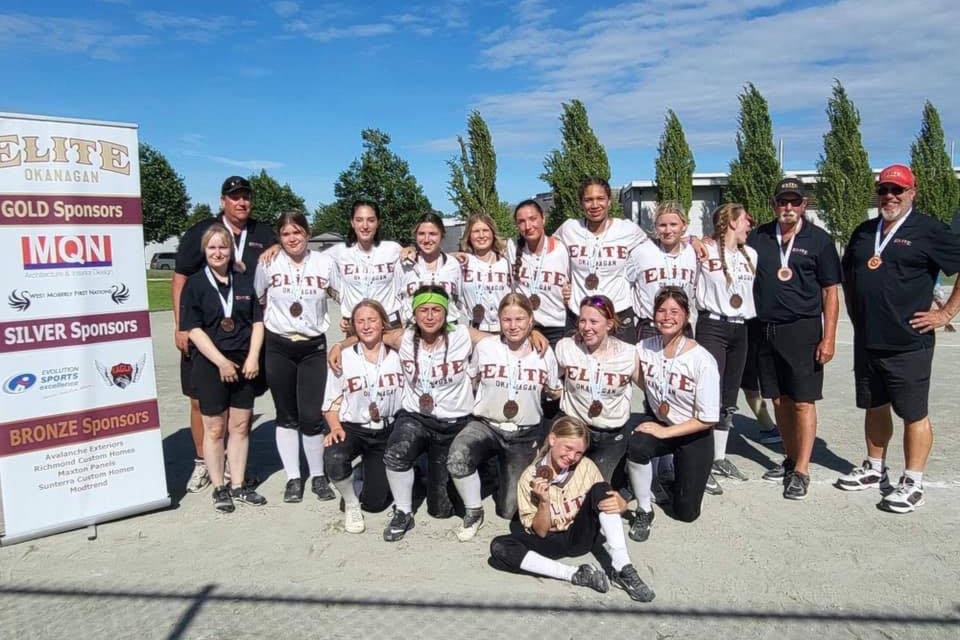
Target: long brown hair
{"type": "Point", "coordinates": [467, 247]}
{"type": "Point", "coordinates": [521, 241]}
{"type": "Point", "coordinates": [722, 216]}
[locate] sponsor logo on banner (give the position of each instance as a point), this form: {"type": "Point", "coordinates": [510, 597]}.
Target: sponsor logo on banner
{"type": "Point", "coordinates": [22, 299]}
{"type": "Point", "coordinates": [66, 251]}
{"type": "Point", "coordinates": [19, 383]}
{"type": "Point", "coordinates": [121, 374]}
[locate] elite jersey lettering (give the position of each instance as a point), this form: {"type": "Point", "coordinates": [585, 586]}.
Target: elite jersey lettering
{"type": "Point", "coordinates": [485, 284]}
{"type": "Point", "coordinates": [448, 381]}
{"type": "Point", "coordinates": [566, 497]}
{"type": "Point", "coordinates": [692, 387]}
{"type": "Point", "coordinates": [353, 387]}
{"type": "Point", "coordinates": [357, 275]}
{"type": "Point", "coordinates": [281, 284]}
{"type": "Point", "coordinates": [551, 277]}
{"type": "Point", "coordinates": [713, 292]}
{"type": "Point", "coordinates": [579, 371]}
{"type": "Point", "coordinates": [650, 269]}
{"type": "Point", "coordinates": [497, 368]}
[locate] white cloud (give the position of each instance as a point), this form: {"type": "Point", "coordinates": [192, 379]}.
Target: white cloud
{"type": "Point", "coordinates": [94, 38]}
{"type": "Point", "coordinates": [251, 165]}
{"type": "Point", "coordinates": [191, 28]}
{"type": "Point", "coordinates": [285, 9]}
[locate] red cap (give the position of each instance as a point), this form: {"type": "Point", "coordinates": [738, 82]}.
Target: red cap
{"type": "Point", "coordinates": [897, 174]}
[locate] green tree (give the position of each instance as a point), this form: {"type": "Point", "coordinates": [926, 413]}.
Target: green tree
{"type": "Point", "coordinates": [937, 189]}
{"type": "Point", "coordinates": [473, 177]}
{"type": "Point", "coordinates": [163, 197]}
{"type": "Point", "coordinates": [675, 164]}
{"type": "Point", "coordinates": [270, 198]}
{"type": "Point", "coordinates": [845, 185]}
{"type": "Point", "coordinates": [580, 156]}
{"type": "Point", "coordinates": [201, 211]}
{"type": "Point", "coordinates": [384, 177]}
{"type": "Point", "coordinates": [756, 171]}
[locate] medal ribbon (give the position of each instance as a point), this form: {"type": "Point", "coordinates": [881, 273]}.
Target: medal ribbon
{"type": "Point", "coordinates": [785, 255]}
{"type": "Point", "coordinates": [535, 277]}
{"type": "Point", "coordinates": [373, 386]}
{"type": "Point", "coordinates": [239, 245]}
{"type": "Point", "coordinates": [594, 259]}
{"type": "Point", "coordinates": [878, 246]}
{"type": "Point", "coordinates": [429, 377]}
{"type": "Point", "coordinates": [295, 282]}
{"type": "Point", "coordinates": [225, 304]}
{"type": "Point", "coordinates": [596, 382]}
{"type": "Point", "coordinates": [666, 374]}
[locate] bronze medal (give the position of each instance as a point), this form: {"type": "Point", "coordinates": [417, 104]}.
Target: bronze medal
{"type": "Point", "coordinates": [534, 301]}
{"type": "Point", "coordinates": [736, 301]}
{"type": "Point", "coordinates": [510, 409]}
{"type": "Point", "coordinates": [374, 412]}
{"type": "Point", "coordinates": [426, 403]}
{"type": "Point", "coordinates": [592, 281]}
{"type": "Point", "coordinates": [784, 274]}
{"type": "Point", "coordinates": [296, 309]}
{"type": "Point", "coordinates": [228, 325]}
{"type": "Point", "coordinates": [874, 263]}
{"type": "Point", "coordinates": [545, 472]}
{"type": "Point", "coordinates": [478, 313]}
{"type": "Point", "coordinates": [596, 408]}
{"type": "Point", "coordinates": [663, 409]}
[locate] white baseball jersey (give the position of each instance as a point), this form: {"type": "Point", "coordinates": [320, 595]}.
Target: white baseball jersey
{"type": "Point", "coordinates": [365, 275]}
{"type": "Point", "coordinates": [543, 274]}
{"type": "Point", "coordinates": [363, 382]}
{"type": "Point", "coordinates": [690, 382]}
{"type": "Point", "coordinates": [444, 372]}
{"type": "Point", "coordinates": [411, 276]}
{"type": "Point", "coordinates": [503, 377]}
{"type": "Point", "coordinates": [604, 255]}
{"type": "Point", "coordinates": [650, 269]}
{"type": "Point", "coordinates": [281, 284]}
{"type": "Point", "coordinates": [485, 284]}
{"type": "Point", "coordinates": [714, 292]}
{"type": "Point", "coordinates": [586, 379]}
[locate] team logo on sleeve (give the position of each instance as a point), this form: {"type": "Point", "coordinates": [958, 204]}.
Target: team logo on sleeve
{"type": "Point", "coordinates": [121, 374]}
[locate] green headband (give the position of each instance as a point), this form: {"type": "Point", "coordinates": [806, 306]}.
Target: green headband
{"type": "Point", "coordinates": [430, 298]}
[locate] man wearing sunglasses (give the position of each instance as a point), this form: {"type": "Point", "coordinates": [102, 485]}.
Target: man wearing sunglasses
{"type": "Point", "coordinates": [890, 266]}
{"type": "Point", "coordinates": [795, 290]}
{"type": "Point", "coordinates": [250, 239]}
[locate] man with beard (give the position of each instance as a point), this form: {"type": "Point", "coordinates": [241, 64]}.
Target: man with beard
{"type": "Point", "coordinates": [890, 267]}
{"type": "Point", "coordinates": [795, 290]}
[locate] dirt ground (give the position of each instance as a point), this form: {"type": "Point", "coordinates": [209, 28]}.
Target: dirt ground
{"type": "Point", "coordinates": [753, 566]}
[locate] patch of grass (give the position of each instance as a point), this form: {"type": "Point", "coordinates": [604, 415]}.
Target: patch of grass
{"type": "Point", "coordinates": [158, 295]}
{"type": "Point", "coordinates": [155, 274]}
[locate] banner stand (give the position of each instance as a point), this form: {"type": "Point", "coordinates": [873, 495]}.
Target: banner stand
{"type": "Point", "coordinates": [23, 536]}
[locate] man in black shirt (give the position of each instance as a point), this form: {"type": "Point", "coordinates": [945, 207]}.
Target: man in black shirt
{"type": "Point", "coordinates": [890, 266]}
{"type": "Point", "coordinates": [798, 273]}
{"type": "Point", "coordinates": [250, 238]}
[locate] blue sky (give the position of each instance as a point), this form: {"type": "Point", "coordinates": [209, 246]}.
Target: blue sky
{"type": "Point", "coordinates": [232, 87]}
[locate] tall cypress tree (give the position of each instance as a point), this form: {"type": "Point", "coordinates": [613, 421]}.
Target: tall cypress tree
{"type": "Point", "coordinates": [756, 171]}
{"type": "Point", "coordinates": [845, 185]}
{"type": "Point", "coordinates": [675, 164]}
{"type": "Point", "coordinates": [937, 189]}
{"type": "Point", "coordinates": [580, 156]}
{"type": "Point", "coordinates": [473, 176]}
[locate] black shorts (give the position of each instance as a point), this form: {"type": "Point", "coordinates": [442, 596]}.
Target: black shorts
{"type": "Point", "coordinates": [787, 360]}
{"type": "Point", "coordinates": [215, 395]}
{"type": "Point", "coordinates": [901, 378]}
{"type": "Point", "coordinates": [186, 373]}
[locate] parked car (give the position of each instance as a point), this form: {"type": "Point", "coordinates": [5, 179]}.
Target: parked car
{"type": "Point", "coordinates": [163, 261]}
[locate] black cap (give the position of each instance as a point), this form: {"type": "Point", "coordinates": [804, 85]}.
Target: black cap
{"type": "Point", "coordinates": [234, 184]}
{"type": "Point", "coordinates": [789, 185]}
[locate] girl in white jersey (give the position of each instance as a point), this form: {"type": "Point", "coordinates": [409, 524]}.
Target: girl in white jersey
{"type": "Point", "coordinates": [540, 270]}
{"type": "Point", "coordinates": [725, 303]}
{"type": "Point", "coordinates": [486, 273]}
{"type": "Point", "coordinates": [682, 393]}
{"type": "Point", "coordinates": [668, 262]}
{"type": "Point", "coordinates": [430, 266]}
{"type": "Point", "coordinates": [363, 266]}
{"type": "Point", "coordinates": [511, 378]}
{"type": "Point", "coordinates": [598, 372]}
{"type": "Point", "coordinates": [293, 289]}
{"type": "Point", "coordinates": [360, 403]}
{"type": "Point", "coordinates": [599, 247]}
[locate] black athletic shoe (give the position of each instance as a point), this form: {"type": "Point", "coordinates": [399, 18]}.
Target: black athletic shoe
{"type": "Point", "coordinates": [321, 487]}
{"type": "Point", "coordinates": [713, 487]}
{"type": "Point", "coordinates": [797, 486]}
{"type": "Point", "coordinates": [293, 491]}
{"type": "Point", "coordinates": [398, 526]}
{"type": "Point", "coordinates": [222, 501]}
{"type": "Point", "coordinates": [247, 495]}
{"type": "Point", "coordinates": [640, 528]}
{"type": "Point", "coordinates": [779, 472]}
{"type": "Point", "coordinates": [588, 575]}
{"type": "Point", "coordinates": [629, 580]}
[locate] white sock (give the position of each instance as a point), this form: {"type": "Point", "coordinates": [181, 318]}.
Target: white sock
{"type": "Point", "coordinates": [876, 464]}
{"type": "Point", "coordinates": [470, 490]}
{"type": "Point", "coordinates": [641, 475]}
{"type": "Point", "coordinates": [288, 445]}
{"type": "Point", "coordinates": [345, 487]}
{"type": "Point", "coordinates": [720, 444]}
{"type": "Point", "coordinates": [313, 452]}
{"type": "Point", "coordinates": [616, 543]}
{"type": "Point", "coordinates": [401, 486]}
{"type": "Point", "coordinates": [533, 562]}
{"type": "Point", "coordinates": [916, 476]}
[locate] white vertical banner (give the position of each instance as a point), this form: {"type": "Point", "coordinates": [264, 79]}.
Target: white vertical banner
{"type": "Point", "coordinates": [79, 426]}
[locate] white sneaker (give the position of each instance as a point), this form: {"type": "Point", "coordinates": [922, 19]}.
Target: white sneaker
{"type": "Point", "coordinates": [906, 498]}
{"type": "Point", "coordinates": [353, 519]}
{"type": "Point", "coordinates": [472, 521]}
{"type": "Point", "coordinates": [864, 477]}
{"type": "Point", "coordinates": [199, 479]}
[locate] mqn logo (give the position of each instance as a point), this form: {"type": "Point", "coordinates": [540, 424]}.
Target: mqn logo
{"type": "Point", "coordinates": [66, 252]}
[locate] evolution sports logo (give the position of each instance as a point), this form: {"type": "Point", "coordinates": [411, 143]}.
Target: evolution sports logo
{"type": "Point", "coordinates": [15, 385]}
{"type": "Point", "coordinates": [66, 251]}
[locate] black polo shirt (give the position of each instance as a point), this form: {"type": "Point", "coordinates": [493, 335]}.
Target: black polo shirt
{"type": "Point", "coordinates": [883, 300]}
{"type": "Point", "coordinates": [190, 258]}
{"type": "Point", "coordinates": [815, 264]}
{"type": "Point", "coordinates": [200, 306]}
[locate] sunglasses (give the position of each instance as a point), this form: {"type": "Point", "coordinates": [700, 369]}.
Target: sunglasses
{"type": "Point", "coordinates": [782, 202]}
{"type": "Point", "coordinates": [895, 190]}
